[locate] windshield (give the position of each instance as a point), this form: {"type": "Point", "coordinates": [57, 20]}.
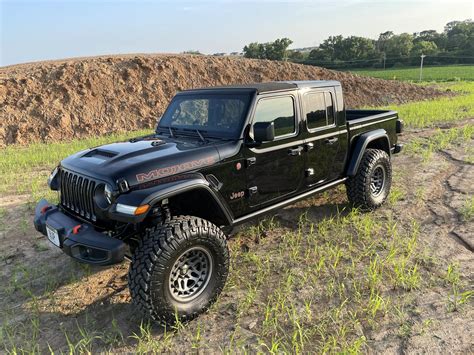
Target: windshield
{"type": "Point", "coordinates": [214, 115]}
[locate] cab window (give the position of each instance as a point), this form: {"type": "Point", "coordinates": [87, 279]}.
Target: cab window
{"type": "Point", "coordinates": [319, 109]}
{"type": "Point", "coordinates": [280, 111]}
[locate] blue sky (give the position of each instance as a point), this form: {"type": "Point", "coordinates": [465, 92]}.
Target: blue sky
{"type": "Point", "coordinates": [40, 30]}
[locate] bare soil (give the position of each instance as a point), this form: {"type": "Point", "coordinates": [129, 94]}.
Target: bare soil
{"type": "Point", "coordinates": [59, 100]}
{"type": "Point", "coordinates": [97, 299]}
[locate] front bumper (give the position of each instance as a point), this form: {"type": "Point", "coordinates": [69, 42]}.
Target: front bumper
{"type": "Point", "coordinates": [83, 243]}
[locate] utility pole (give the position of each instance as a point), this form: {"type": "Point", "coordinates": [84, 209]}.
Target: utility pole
{"type": "Point", "coordinates": [421, 66]}
{"type": "Point", "coordinates": [384, 58]}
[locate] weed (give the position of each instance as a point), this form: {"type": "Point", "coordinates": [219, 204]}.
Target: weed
{"type": "Point", "coordinates": [442, 139]}
{"type": "Point", "coordinates": [467, 210]}
{"type": "Point", "coordinates": [456, 298]}
{"type": "Point", "coordinates": [396, 194]}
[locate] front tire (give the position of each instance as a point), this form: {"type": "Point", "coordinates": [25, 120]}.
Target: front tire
{"type": "Point", "coordinates": [370, 187]}
{"type": "Point", "coordinates": [179, 269]}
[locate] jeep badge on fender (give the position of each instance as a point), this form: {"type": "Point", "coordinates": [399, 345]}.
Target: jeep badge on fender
{"type": "Point", "coordinates": [164, 200]}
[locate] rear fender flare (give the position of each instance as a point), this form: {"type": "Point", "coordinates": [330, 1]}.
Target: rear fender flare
{"type": "Point", "coordinates": [361, 145]}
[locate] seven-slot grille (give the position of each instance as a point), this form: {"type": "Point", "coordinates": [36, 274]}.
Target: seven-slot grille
{"type": "Point", "coordinates": [77, 194]}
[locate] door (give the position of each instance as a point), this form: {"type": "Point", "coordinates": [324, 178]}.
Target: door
{"type": "Point", "coordinates": [275, 169]}
{"type": "Point", "coordinates": [323, 140]}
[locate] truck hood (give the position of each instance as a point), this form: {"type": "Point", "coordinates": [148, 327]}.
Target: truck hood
{"type": "Point", "coordinates": [143, 160]}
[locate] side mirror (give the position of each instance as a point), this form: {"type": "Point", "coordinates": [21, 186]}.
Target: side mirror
{"type": "Point", "coordinates": [263, 131]}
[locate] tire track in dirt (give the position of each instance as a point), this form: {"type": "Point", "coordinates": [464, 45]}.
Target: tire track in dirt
{"type": "Point", "coordinates": [463, 172]}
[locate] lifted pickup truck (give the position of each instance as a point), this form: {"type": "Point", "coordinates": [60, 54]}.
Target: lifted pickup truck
{"type": "Point", "coordinates": [219, 157]}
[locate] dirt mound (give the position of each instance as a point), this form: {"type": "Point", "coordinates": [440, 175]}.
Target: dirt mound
{"type": "Point", "coordinates": [60, 100]}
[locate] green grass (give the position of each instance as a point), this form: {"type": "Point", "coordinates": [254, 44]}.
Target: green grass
{"type": "Point", "coordinates": [442, 139]}
{"type": "Point", "coordinates": [467, 210]}
{"type": "Point", "coordinates": [431, 113]}
{"type": "Point", "coordinates": [24, 169]}
{"type": "Point", "coordinates": [438, 73]}
{"type": "Point", "coordinates": [311, 288]}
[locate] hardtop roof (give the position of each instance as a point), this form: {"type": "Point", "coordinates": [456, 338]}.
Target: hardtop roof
{"type": "Point", "coordinates": [271, 86]}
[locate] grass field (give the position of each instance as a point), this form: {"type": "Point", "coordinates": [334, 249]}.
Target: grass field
{"type": "Point", "coordinates": [439, 73]}
{"type": "Point", "coordinates": [319, 277]}
{"type": "Point", "coordinates": [431, 113]}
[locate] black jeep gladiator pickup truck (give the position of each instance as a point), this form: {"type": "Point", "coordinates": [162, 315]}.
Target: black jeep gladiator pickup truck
{"type": "Point", "coordinates": [219, 157]}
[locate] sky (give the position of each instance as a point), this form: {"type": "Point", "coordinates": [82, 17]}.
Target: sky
{"type": "Point", "coordinates": [54, 29]}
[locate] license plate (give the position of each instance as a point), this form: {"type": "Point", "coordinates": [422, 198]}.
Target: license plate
{"type": "Point", "coordinates": [53, 235]}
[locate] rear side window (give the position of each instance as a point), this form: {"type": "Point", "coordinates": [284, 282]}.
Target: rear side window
{"type": "Point", "coordinates": [319, 109]}
{"type": "Point", "coordinates": [279, 110]}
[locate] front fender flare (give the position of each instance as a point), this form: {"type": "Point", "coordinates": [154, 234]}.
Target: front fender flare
{"type": "Point", "coordinates": [159, 192]}
{"type": "Point", "coordinates": [361, 145]}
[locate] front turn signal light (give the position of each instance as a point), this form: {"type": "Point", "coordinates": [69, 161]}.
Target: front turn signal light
{"type": "Point", "coordinates": [141, 209]}
{"type": "Point", "coordinates": [132, 210]}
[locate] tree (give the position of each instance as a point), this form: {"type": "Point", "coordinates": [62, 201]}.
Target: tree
{"type": "Point", "coordinates": [399, 45]}
{"type": "Point", "coordinates": [356, 48]}
{"type": "Point", "coordinates": [383, 39]}
{"type": "Point", "coordinates": [319, 55]}
{"type": "Point", "coordinates": [276, 50]}
{"type": "Point", "coordinates": [192, 51]}
{"type": "Point", "coordinates": [332, 46]}
{"type": "Point", "coordinates": [424, 47]}
{"type": "Point", "coordinates": [295, 55]}
{"type": "Point", "coordinates": [254, 50]}
{"type": "Point", "coordinates": [460, 36]}
{"type": "Point", "coordinates": [431, 36]}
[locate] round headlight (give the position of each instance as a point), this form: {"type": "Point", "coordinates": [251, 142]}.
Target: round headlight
{"type": "Point", "coordinates": [52, 181]}
{"type": "Point", "coordinates": [108, 193]}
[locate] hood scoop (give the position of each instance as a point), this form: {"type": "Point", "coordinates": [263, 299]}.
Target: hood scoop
{"type": "Point", "coordinates": [100, 154]}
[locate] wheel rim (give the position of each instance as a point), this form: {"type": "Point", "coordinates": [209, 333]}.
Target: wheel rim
{"type": "Point", "coordinates": [377, 180]}
{"type": "Point", "coordinates": [190, 274]}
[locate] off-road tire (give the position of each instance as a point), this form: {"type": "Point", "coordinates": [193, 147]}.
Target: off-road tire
{"type": "Point", "coordinates": [158, 251]}
{"type": "Point", "coordinates": [358, 187]}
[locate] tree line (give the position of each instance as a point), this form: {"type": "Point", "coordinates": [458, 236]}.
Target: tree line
{"type": "Point", "coordinates": [455, 45]}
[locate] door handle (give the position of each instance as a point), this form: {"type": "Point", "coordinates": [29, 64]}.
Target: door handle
{"type": "Point", "coordinates": [309, 146]}
{"type": "Point", "coordinates": [331, 140]}
{"type": "Point", "coordinates": [295, 151]}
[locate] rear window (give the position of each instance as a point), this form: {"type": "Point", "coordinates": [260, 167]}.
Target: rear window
{"type": "Point", "coordinates": [280, 111]}
{"type": "Point", "coordinates": [319, 109]}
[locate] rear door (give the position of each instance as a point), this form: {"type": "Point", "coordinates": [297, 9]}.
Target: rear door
{"type": "Point", "coordinates": [276, 169]}
{"type": "Point", "coordinates": [323, 142]}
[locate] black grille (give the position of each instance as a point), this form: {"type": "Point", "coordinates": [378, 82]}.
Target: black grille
{"type": "Point", "coordinates": [77, 193]}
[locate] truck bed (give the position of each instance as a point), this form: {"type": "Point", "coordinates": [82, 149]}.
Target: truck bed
{"type": "Point", "coordinates": [361, 121]}
{"type": "Point", "coordinates": [354, 117]}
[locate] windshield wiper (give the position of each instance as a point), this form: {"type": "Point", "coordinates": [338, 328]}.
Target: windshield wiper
{"type": "Point", "coordinates": [137, 139]}
{"type": "Point", "coordinates": [200, 135]}
{"type": "Point", "coordinates": [171, 131]}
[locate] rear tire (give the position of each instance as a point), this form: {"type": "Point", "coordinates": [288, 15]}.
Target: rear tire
{"type": "Point", "coordinates": [370, 187]}
{"type": "Point", "coordinates": [179, 269]}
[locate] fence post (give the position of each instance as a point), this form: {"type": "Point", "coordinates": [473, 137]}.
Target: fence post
{"type": "Point", "coordinates": [421, 66]}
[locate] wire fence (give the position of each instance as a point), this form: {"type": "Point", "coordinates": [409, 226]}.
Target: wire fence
{"type": "Point", "coordinates": [390, 62]}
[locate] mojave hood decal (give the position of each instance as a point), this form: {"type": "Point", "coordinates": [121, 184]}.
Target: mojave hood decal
{"type": "Point", "coordinates": [175, 169]}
